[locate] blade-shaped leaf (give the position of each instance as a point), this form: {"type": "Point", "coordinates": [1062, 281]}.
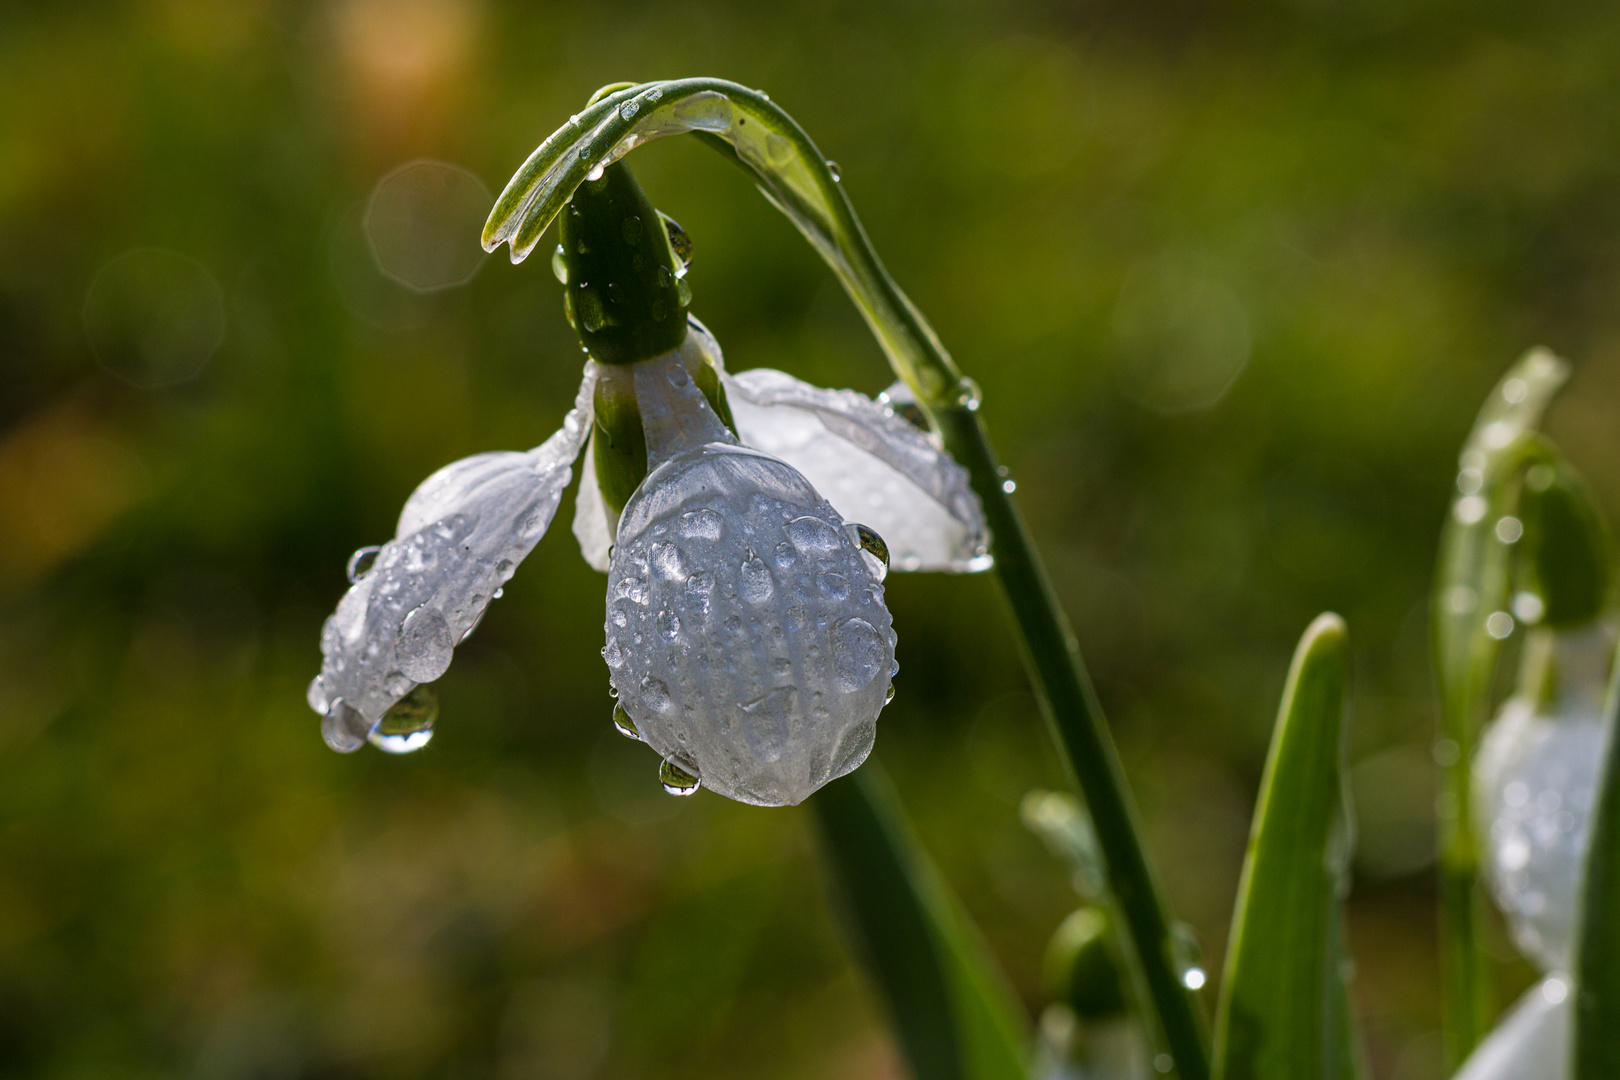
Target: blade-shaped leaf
{"type": "Point", "coordinates": [1282, 1013]}
{"type": "Point", "coordinates": [1597, 1000]}
{"type": "Point", "coordinates": [1471, 587]}
{"type": "Point", "coordinates": [956, 1018]}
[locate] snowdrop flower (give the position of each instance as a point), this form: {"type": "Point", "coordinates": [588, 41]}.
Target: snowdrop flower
{"type": "Point", "coordinates": [747, 638]}
{"type": "Point", "coordinates": [1537, 771]}
{"type": "Point", "coordinates": [1533, 1040]}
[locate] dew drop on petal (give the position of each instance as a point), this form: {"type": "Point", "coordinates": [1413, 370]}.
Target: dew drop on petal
{"type": "Point", "coordinates": [669, 625]}
{"type": "Point", "coordinates": [813, 536]}
{"type": "Point", "coordinates": [667, 562]}
{"type": "Point", "coordinates": [424, 646]}
{"type": "Point", "coordinates": [857, 654]}
{"type": "Point", "coordinates": [676, 780]}
{"type": "Point", "coordinates": [655, 694]}
{"type": "Point", "coordinates": [343, 728]}
{"type": "Point", "coordinates": [888, 694]}
{"type": "Point", "coordinates": [702, 524]}
{"type": "Point", "coordinates": [624, 725]}
{"type": "Point", "coordinates": [361, 562]}
{"type": "Point", "coordinates": [874, 551]}
{"type": "Point", "coordinates": [316, 696]}
{"type": "Point", "coordinates": [408, 725]}
{"type": "Point", "coordinates": [754, 580]}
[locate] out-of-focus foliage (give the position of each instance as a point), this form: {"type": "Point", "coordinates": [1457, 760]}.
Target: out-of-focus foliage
{"type": "Point", "coordinates": [1233, 277]}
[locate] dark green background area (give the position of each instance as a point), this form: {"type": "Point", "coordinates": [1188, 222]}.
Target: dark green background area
{"type": "Point", "coordinates": [1373, 207]}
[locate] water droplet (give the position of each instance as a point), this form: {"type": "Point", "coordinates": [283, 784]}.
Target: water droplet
{"type": "Point", "coordinates": [1009, 486]}
{"type": "Point", "coordinates": [596, 172]}
{"type": "Point", "coordinates": [631, 228]}
{"type": "Point", "coordinates": [1469, 481]}
{"type": "Point", "coordinates": [888, 695]}
{"type": "Point", "coordinates": [1515, 391]}
{"type": "Point", "coordinates": [666, 561]}
{"type": "Point", "coordinates": [813, 535]}
{"type": "Point", "coordinates": [874, 550]}
{"type": "Point", "coordinates": [1469, 509]}
{"type": "Point", "coordinates": [624, 725]}
{"type": "Point", "coordinates": [754, 579]}
{"type": "Point", "coordinates": [629, 109]}
{"type": "Point", "coordinates": [786, 556]}
{"type": "Point", "coordinates": [857, 654]}
{"type": "Point", "coordinates": [832, 167]}
{"type": "Point", "coordinates": [588, 307]}
{"type": "Point", "coordinates": [676, 780]}
{"type": "Point", "coordinates": [669, 625]}
{"type": "Point", "coordinates": [702, 525]}
{"type": "Point", "coordinates": [655, 695]}
{"type": "Point", "coordinates": [967, 394]}
{"type": "Point", "coordinates": [559, 265]}
{"type": "Point", "coordinates": [1193, 978]}
{"type": "Point", "coordinates": [316, 696]}
{"type": "Point", "coordinates": [424, 645]}
{"type": "Point", "coordinates": [1499, 624]}
{"type": "Point", "coordinates": [683, 292]}
{"type": "Point", "coordinates": [679, 243]}
{"type": "Point", "coordinates": [1528, 607]}
{"type": "Point", "coordinates": [408, 725]}
{"type": "Point", "coordinates": [497, 594]}
{"type": "Point", "coordinates": [833, 586]}
{"type": "Point", "coordinates": [1509, 529]}
{"type": "Point", "coordinates": [699, 587]}
{"type": "Point", "coordinates": [343, 728]}
{"type": "Point", "coordinates": [361, 562]}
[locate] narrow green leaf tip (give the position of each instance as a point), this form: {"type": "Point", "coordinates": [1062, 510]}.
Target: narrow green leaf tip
{"type": "Point", "coordinates": [1596, 1050]}
{"type": "Point", "coordinates": [1283, 1005]}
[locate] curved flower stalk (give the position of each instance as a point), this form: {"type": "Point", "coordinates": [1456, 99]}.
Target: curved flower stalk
{"type": "Point", "coordinates": [752, 131]}
{"type": "Point", "coordinates": [747, 638]}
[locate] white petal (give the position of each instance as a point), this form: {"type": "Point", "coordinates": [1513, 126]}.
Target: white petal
{"type": "Point", "coordinates": [1531, 1042]}
{"type": "Point", "coordinates": [592, 527]}
{"type": "Point", "coordinates": [873, 466]}
{"type": "Point", "coordinates": [745, 635]}
{"type": "Point", "coordinates": [460, 536]}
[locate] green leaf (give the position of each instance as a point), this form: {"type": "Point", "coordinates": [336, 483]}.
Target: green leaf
{"type": "Point", "coordinates": [1597, 946]}
{"type": "Point", "coordinates": [1569, 545]}
{"type": "Point", "coordinates": [956, 1017]}
{"type": "Point", "coordinates": [1283, 1012]}
{"type": "Point", "coordinates": [1470, 589]}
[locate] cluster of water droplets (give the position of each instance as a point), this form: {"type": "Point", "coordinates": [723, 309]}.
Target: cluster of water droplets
{"type": "Point", "coordinates": [747, 636]}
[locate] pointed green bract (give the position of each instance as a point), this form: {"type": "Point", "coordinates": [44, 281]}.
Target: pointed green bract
{"type": "Point", "coordinates": [956, 1017]}
{"type": "Point", "coordinates": [1569, 544]}
{"type": "Point", "coordinates": [1471, 587]}
{"type": "Point", "coordinates": [1597, 948]}
{"type": "Point", "coordinates": [1282, 1013]}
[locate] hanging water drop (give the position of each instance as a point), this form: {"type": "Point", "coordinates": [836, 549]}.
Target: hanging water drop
{"type": "Point", "coordinates": [423, 646]}
{"type": "Point", "coordinates": [596, 173]}
{"type": "Point", "coordinates": [683, 291]}
{"type": "Point", "coordinates": [408, 725]}
{"type": "Point", "coordinates": [874, 551]}
{"type": "Point", "coordinates": [559, 264]}
{"type": "Point", "coordinates": [361, 562]}
{"type": "Point", "coordinates": [832, 167]}
{"type": "Point", "coordinates": [343, 728]}
{"type": "Point", "coordinates": [676, 780]}
{"type": "Point", "coordinates": [624, 725]}
{"type": "Point", "coordinates": [888, 695]}
{"type": "Point", "coordinates": [679, 243]}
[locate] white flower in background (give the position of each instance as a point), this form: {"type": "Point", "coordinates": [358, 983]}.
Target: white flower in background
{"type": "Point", "coordinates": [1533, 1040]}
{"type": "Point", "coordinates": [1536, 775]}
{"type": "Point", "coordinates": [747, 638]}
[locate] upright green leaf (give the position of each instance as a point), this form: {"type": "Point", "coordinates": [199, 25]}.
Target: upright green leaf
{"type": "Point", "coordinates": [955, 1015]}
{"type": "Point", "coordinates": [1283, 1002]}
{"type": "Point", "coordinates": [1597, 948]}
{"type": "Point", "coordinates": [1470, 619]}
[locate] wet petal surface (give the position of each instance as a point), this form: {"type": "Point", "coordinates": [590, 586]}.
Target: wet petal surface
{"type": "Point", "coordinates": [872, 464]}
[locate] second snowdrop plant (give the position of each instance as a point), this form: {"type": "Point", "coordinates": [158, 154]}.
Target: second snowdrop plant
{"type": "Point", "coordinates": [745, 523]}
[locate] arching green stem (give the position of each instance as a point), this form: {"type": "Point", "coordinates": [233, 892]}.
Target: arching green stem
{"type": "Point", "coordinates": [752, 131]}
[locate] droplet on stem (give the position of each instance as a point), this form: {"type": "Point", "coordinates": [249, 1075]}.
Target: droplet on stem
{"type": "Point", "coordinates": [361, 562]}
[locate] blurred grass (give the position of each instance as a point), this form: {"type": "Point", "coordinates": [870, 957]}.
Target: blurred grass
{"type": "Point", "coordinates": [1380, 205]}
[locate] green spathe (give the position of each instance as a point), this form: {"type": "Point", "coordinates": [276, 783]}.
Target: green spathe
{"type": "Point", "coordinates": [622, 293]}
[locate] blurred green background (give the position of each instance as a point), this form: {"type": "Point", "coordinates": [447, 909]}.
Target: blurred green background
{"type": "Point", "coordinates": [1234, 278]}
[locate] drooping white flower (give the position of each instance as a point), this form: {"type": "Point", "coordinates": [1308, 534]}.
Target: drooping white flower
{"type": "Point", "coordinates": [1532, 1042]}
{"type": "Point", "coordinates": [747, 636]}
{"type": "Point", "coordinates": [1536, 777]}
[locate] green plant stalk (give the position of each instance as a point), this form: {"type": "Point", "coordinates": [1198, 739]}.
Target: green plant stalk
{"type": "Point", "coordinates": [1596, 1051]}
{"type": "Point", "coordinates": [1472, 582]}
{"type": "Point", "coordinates": [754, 133]}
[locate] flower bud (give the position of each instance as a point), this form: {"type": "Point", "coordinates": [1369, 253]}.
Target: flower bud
{"type": "Point", "coordinates": [1081, 970]}
{"type": "Point", "coordinates": [1571, 553]}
